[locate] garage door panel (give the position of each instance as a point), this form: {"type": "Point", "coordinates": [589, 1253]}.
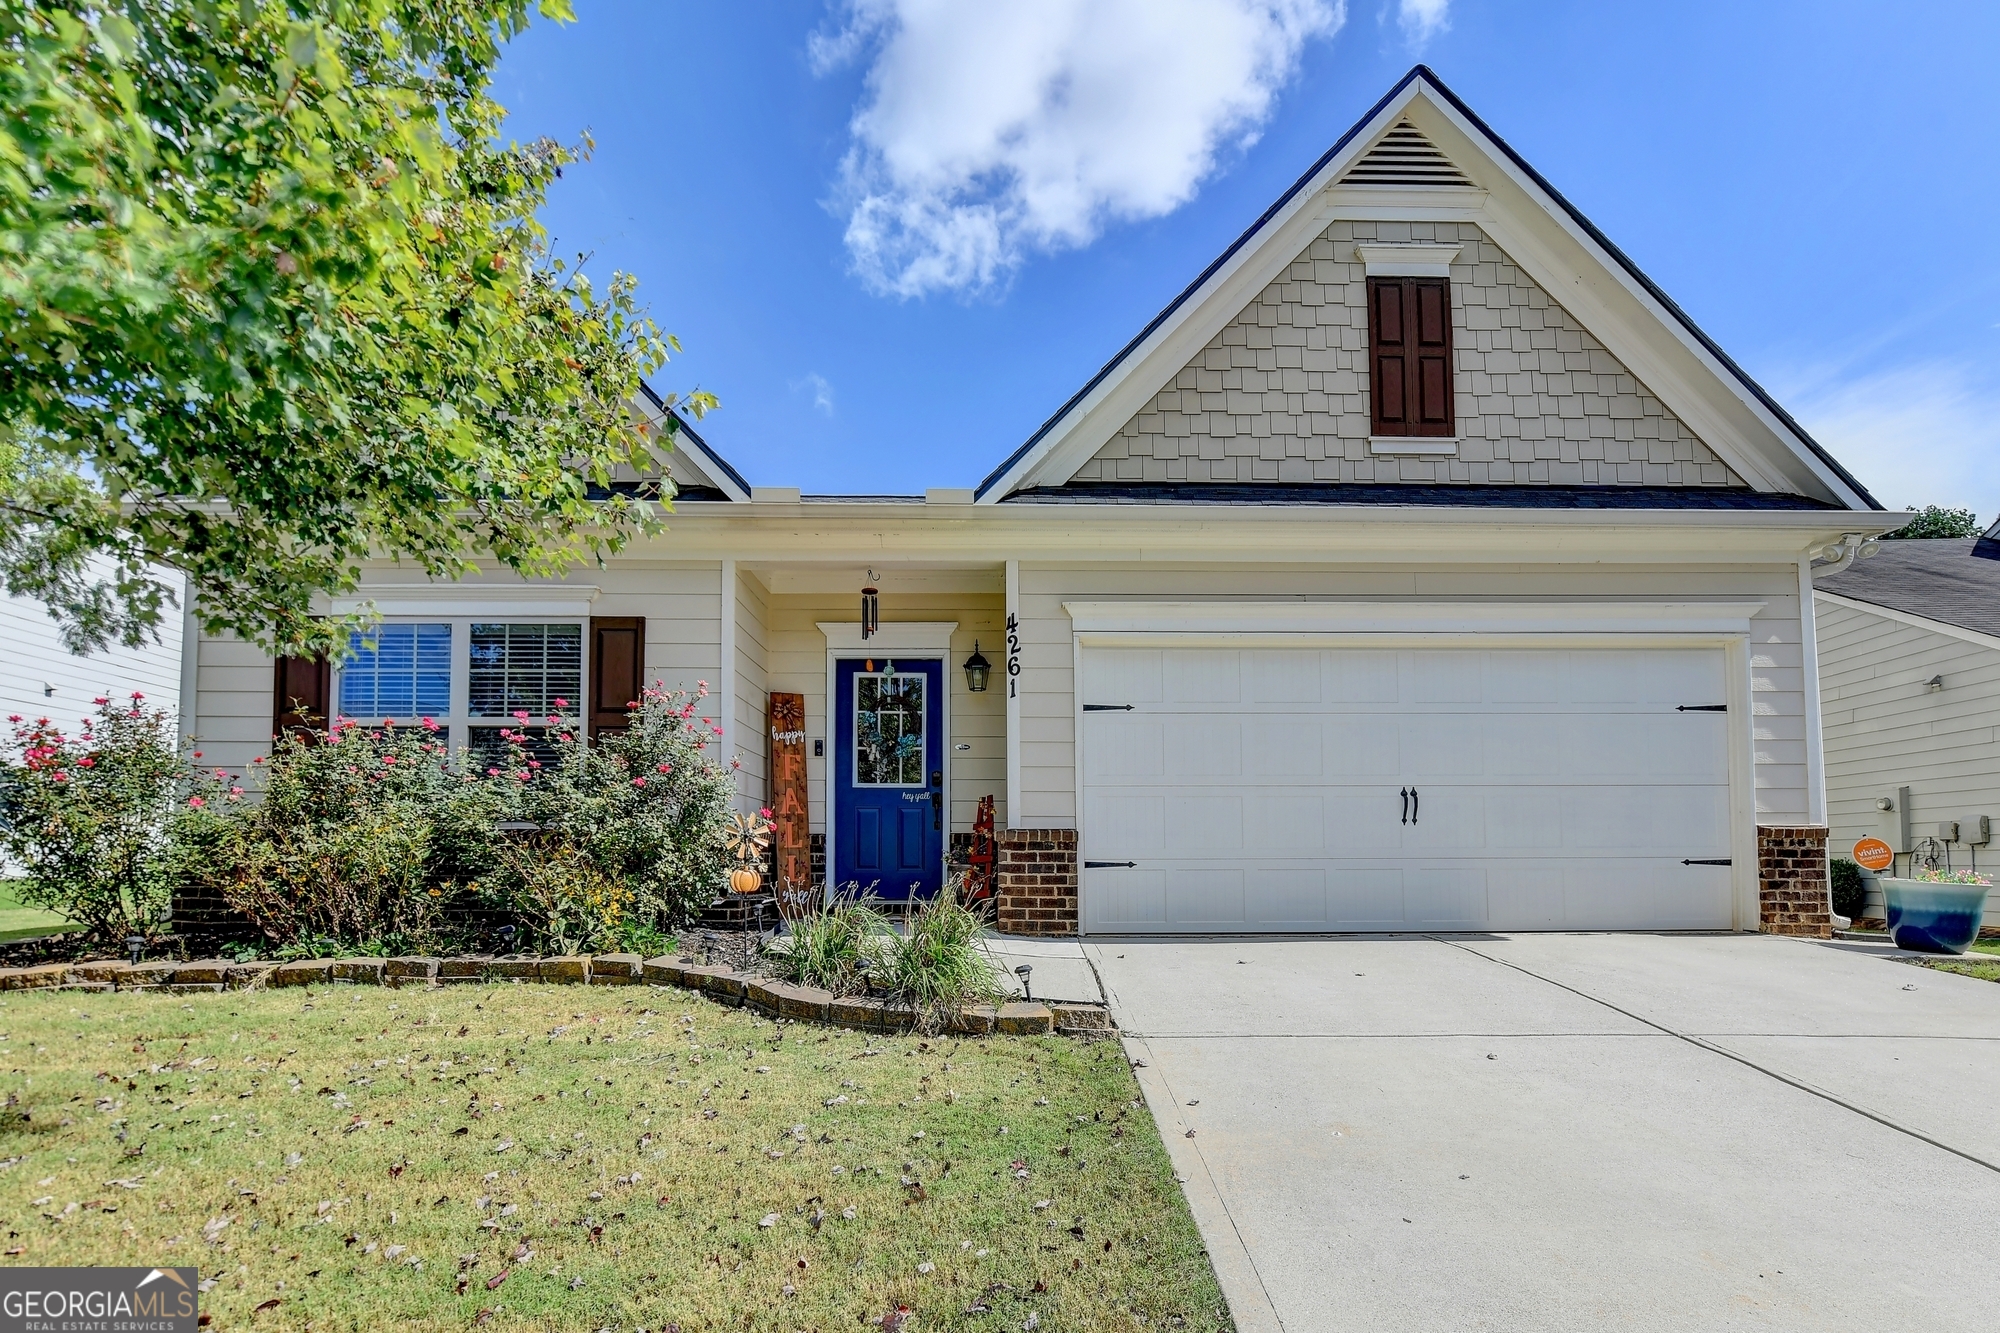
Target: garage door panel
{"type": "Point", "coordinates": [1202, 676]}
{"type": "Point", "coordinates": [1291, 899]}
{"type": "Point", "coordinates": [1121, 676]}
{"type": "Point", "coordinates": [1203, 825]}
{"type": "Point", "coordinates": [1206, 898]}
{"type": "Point", "coordinates": [1445, 897]}
{"type": "Point", "coordinates": [1281, 676]}
{"type": "Point", "coordinates": [1128, 900]}
{"type": "Point", "coordinates": [1559, 790]}
{"type": "Point", "coordinates": [1366, 898]}
{"type": "Point", "coordinates": [1205, 746]}
{"type": "Point", "coordinates": [1359, 749]}
{"type": "Point", "coordinates": [1119, 747]}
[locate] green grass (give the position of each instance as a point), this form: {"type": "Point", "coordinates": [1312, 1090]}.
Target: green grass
{"type": "Point", "coordinates": [1986, 969]}
{"type": "Point", "coordinates": [25, 923]}
{"type": "Point", "coordinates": [630, 1144]}
{"type": "Point", "coordinates": [1986, 946]}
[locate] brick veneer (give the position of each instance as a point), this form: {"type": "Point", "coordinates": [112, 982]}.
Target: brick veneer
{"type": "Point", "coordinates": [1792, 889]}
{"type": "Point", "coordinates": [1037, 881]}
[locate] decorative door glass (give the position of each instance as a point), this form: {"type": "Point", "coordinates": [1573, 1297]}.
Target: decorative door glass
{"type": "Point", "coordinates": [888, 730]}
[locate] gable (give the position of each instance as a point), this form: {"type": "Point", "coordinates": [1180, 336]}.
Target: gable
{"type": "Point", "coordinates": [1404, 161]}
{"type": "Point", "coordinates": [1281, 393]}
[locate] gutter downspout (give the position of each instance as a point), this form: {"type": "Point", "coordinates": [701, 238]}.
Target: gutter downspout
{"type": "Point", "coordinates": [1838, 557]}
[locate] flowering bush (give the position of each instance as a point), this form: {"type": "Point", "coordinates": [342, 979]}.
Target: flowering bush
{"type": "Point", "coordinates": [644, 807]}
{"type": "Point", "coordinates": [89, 815]}
{"type": "Point", "coordinates": [362, 834]}
{"type": "Point", "coordinates": [1934, 876]}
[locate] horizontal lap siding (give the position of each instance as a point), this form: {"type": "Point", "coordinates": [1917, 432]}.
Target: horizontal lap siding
{"type": "Point", "coordinates": [1048, 753]}
{"type": "Point", "coordinates": [797, 665]}
{"type": "Point", "coordinates": [36, 659]}
{"type": "Point", "coordinates": [1885, 729]}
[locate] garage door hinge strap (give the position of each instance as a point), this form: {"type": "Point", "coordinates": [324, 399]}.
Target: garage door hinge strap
{"type": "Point", "coordinates": [1715, 861]}
{"type": "Point", "coordinates": [1107, 708]}
{"type": "Point", "coordinates": [1107, 865]}
{"type": "Point", "coordinates": [1702, 708]}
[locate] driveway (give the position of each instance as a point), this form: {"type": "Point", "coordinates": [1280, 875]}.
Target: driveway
{"type": "Point", "coordinates": [1576, 1131]}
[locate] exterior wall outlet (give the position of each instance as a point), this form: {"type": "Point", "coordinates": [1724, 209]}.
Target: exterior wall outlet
{"type": "Point", "coordinates": [1948, 831]}
{"type": "Point", "coordinates": [1979, 830]}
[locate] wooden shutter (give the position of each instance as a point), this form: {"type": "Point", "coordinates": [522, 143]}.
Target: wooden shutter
{"type": "Point", "coordinates": [617, 669]}
{"type": "Point", "coordinates": [1409, 344]}
{"type": "Point", "coordinates": [302, 694]}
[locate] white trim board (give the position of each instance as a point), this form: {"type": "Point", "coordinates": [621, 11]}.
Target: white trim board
{"type": "Point", "coordinates": [457, 599]}
{"type": "Point", "coordinates": [1714, 619]}
{"type": "Point", "coordinates": [1959, 632]}
{"type": "Point", "coordinates": [909, 636]}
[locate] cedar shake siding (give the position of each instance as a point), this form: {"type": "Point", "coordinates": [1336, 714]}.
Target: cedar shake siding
{"type": "Point", "coordinates": [1282, 393]}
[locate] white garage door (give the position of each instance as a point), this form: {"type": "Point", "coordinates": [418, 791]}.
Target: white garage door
{"type": "Point", "coordinates": [1251, 789]}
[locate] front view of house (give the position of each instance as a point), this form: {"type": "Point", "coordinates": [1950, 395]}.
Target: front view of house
{"type": "Point", "coordinates": [1421, 567]}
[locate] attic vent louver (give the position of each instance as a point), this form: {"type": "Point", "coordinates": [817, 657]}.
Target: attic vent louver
{"type": "Point", "coordinates": [1404, 157]}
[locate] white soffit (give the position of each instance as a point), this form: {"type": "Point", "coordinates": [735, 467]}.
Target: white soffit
{"type": "Point", "coordinates": [1719, 619]}
{"type": "Point", "coordinates": [1536, 232]}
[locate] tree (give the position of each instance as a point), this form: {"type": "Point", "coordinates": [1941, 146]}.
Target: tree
{"type": "Point", "coordinates": [1937, 521]}
{"type": "Point", "coordinates": [276, 301]}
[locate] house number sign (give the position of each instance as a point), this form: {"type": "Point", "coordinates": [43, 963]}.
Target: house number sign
{"type": "Point", "coordinates": [1013, 656]}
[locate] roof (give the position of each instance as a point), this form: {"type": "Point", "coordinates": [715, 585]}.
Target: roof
{"type": "Point", "coordinates": [1399, 493]}
{"type": "Point", "coordinates": [1048, 433]}
{"type": "Point", "coordinates": [732, 487]}
{"type": "Point", "coordinates": [1936, 578]}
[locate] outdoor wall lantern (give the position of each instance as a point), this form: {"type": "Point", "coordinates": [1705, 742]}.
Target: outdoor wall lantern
{"type": "Point", "coordinates": [871, 608]}
{"type": "Point", "coordinates": [977, 669]}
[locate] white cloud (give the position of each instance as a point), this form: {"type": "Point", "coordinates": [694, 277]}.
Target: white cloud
{"type": "Point", "coordinates": [1921, 434]}
{"type": "Point", "coordinates": [991, 131]}
{"type": "Point", "coordinates": [822, 391]}
{"type": "Point", "coordinates": [1423, 19]}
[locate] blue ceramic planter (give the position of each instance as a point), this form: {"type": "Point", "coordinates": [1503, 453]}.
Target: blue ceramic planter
{"type": "Point", "coordinates": [1933, 918]}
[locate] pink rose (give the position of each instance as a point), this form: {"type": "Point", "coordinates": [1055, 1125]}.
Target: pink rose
{"type": "Point", "coordinates": [196, 802]}
{"type": "Point", "coordinates": [137, 695]}
{"type": "Point", "coordinates": [666, 768]}
{"type": "Point", "coordinates": [638, 782]}
{"type": "Point", "coordinates": [560, 703]}
{"type": "Point", "coordinates": [86, 762]}
{"type": "Point", "coordinates": [62, 777]}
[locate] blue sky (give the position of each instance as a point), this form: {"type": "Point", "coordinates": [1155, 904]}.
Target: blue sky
{"type": "Point", "coordinates": [893, 252]}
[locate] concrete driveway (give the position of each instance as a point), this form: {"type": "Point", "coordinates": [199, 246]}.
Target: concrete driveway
{"type": "Point", "coordinates": [1576, 1131]}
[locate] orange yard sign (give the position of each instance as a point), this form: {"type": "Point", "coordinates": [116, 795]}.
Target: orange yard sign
{"type": "Point", "coordinates": [792, 824]}
{"type": "Point", "coordinates": [1874, 853]}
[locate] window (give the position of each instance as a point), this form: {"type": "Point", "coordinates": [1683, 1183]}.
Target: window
{"type": "Point", "coordinates": [888, 730]}
{"type": "Point", "coordinates": [1409, 362]}
{"type": "Point", "coordinates": [470, 677]}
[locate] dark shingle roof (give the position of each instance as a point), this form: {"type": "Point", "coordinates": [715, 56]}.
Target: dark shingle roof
{"type": "Point", "coordinates": [1938, 579]}
{"type": "Point", "coordinates": [1400, 493]}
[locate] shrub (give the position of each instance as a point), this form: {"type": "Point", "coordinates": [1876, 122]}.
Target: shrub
{"type": "Point", "coordinates": [834, 949]}
{"type": "Point", "coordinates": [938, 967]}
{"type": "Point", "coordinates": [645, 807]}
{"type": "Point", "coordinates": [89, 816]}
{"type": "Point", "coordinates": [362, 835]}
{"type": "Point", "coordinates": [566, 902]}
{"type": "Point", "coordinates": [1850, 890]}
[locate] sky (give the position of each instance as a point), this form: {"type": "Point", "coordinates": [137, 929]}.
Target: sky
{"type": "Point", "coordinates": [893, 236]}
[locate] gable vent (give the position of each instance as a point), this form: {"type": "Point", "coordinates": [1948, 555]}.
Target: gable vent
{"type": "Point", "coordinates": [1404, 157]}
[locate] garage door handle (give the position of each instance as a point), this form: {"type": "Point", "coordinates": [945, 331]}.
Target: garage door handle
{"type": "Point", "coordinates": [1406, 805]}
{"type": "Point", "coordinates": [1110, 865]}
{"type": "Point", "coordinates": [1107, 708]}
{"type": "Point", "coordinates": [1415, 801]}
{"type": "Point", "coordinates": [1711, 861]}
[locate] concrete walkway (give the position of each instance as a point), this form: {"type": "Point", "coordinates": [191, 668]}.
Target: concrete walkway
{"type": "Point", "coordinates": [1583, 1132]}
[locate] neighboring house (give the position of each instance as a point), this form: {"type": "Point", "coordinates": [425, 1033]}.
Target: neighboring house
{"type": "Point", "coordinates": [1909, 651]}
{"type": "Point", "coordinates": [1421, 566]}
{"type": "Point", "coordinates": [41, 678]}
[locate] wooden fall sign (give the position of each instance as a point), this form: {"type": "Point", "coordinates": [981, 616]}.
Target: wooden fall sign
{"type": "Point", "coordinates": [795, 890]}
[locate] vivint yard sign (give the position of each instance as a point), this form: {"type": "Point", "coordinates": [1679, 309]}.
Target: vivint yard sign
{"type": "Point", "coordinates": [98, 1300]}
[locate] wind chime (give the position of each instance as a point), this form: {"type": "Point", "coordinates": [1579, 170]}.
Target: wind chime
{"type": "Point", "coordinates": [871, 608]}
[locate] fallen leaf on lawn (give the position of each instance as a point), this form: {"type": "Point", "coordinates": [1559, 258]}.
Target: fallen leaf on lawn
{"type": "Point", "coordinates": [927, 1267]}
{"type": "Point", "coordinates": [482, 1316]}
{"type": "Point", "coordinates": [663, 1201]}
{"type": "Point", "coordinates": [493, 1283]}
{"type": "Point", "coordinates": [522, 1252]}
{"type": "Point", "coordinates": [271, 1304]}
{"type": "Point", "coordinates": [503, 1145]}
{"type": "Point", "coordinates": [769, 1220]}
{"type": "Point", "coordinates": [18, 1249]}
{"type": "Point", "coordinates": [847, 1213]}
{"type": "Point", "coordinates": [393, 1251]}
{"type": "Point", "coordinates": [1042, 1203]}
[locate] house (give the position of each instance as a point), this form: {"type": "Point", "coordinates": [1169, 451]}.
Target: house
{"type": "Point", "coordinates": [1420, 566]}
{"type": "Point", "coordinates": [1909, 650]}
{"type": "Point", "coordinates": [42, 678]}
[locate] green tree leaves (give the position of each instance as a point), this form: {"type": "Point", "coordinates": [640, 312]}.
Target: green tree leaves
{"type": "Point", "coordinates": [278, 302]}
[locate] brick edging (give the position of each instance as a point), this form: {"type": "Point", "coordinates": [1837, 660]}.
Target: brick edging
{"type": "Point", "coordinates": [725, 985]}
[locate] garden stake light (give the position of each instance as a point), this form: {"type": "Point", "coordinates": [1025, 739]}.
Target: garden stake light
{"type": "Point", "coordinates": [1022, 972]}
{"type": "Point", "coordinates": [135, 945]}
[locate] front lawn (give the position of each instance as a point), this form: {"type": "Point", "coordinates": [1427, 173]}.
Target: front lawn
{"type": "Point", "coordinates": [551, 1157]}
{"type": "Point", "coordinates": [1968, 965]}
{"type": "Point", "coordinates": [18, 922]}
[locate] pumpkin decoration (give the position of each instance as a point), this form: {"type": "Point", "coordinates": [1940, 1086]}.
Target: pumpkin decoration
{"type": "Point", "coordinates": [746, 837]}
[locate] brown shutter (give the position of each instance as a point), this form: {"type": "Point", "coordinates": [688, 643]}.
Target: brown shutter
{"type": "Point", "coordinates": [1409, 342]}
{"type": "Point", "coordinates": [1388, 356]}
{"type": "Point", "coordinates": [617, 669]}
{"type": "Point", "coordinates": [301, 695]}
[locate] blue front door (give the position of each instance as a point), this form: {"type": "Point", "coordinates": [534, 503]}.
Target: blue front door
{"type": "Point", "coordinates": [888, 776]}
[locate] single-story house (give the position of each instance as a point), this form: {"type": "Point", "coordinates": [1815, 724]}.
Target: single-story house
{"type": "Point", "coordinates": [1909, 651]}
{"type": "Point", "coordinates": [1422, 566]}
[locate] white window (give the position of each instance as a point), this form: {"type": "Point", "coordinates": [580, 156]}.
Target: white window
{"type": "Point", "coordinates": [468, 676]}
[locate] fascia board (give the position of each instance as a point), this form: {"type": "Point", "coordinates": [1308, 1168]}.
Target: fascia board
{"type": "Point", "coordinates": [714, 467]}
{"type": "Point", "coordinates": [1136, 374]}
{"type": "Point", "coordinates": [1455, 133]}
{"type": "Point", "coordinates": [1416, 616]}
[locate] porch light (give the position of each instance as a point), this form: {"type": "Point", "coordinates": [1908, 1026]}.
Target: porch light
{"type": "Point", "coordinates": [977, 669]}
{"type": "Point", "coordinates": [871, 609]}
